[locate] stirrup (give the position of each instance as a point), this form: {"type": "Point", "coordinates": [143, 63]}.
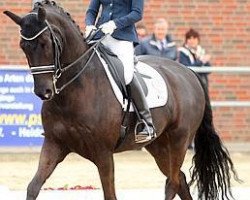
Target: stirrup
{"type": "Point", "coordinates": [146, 134]}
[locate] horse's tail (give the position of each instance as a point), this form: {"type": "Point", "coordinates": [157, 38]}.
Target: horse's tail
{"type": "Point", "coordinates": [211, 163]}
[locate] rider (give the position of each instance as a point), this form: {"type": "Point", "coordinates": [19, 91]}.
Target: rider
{"type": "Point", "coordinates": [117, 22]}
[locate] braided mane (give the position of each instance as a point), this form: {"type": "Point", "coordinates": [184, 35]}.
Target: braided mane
{"type": "Point", "coordinates": [60, 9]}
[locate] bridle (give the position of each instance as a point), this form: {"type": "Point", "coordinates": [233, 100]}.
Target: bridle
{"type": "Point", "coordinates": [56, 68]}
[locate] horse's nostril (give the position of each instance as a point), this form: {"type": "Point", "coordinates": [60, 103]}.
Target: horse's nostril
{"type": "Point", "coordinates": [44, 94]}
{"type": "Point", "coordinates": [48, 94]}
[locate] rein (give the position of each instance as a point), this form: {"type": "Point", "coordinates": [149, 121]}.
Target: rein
{"type": "Point", "coordinates": [58, 90]}
{"type": "Point", "coordinates": [56, 68]}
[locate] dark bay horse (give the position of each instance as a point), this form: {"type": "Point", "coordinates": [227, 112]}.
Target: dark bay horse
{"type": "Point", "coordinates": [81, 114]}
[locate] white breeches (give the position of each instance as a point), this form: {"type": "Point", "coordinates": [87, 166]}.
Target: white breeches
{"type": "Point", "coordinates": [125, 52]}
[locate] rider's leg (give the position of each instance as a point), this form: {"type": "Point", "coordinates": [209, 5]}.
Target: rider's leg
{"type": "Point", "coordinates": [125, 52]}
{"type": "Point", "coordinates": [138, 96]}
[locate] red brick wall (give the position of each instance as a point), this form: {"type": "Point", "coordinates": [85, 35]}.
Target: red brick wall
{"type": "Point", "coordinates": [224, 26]}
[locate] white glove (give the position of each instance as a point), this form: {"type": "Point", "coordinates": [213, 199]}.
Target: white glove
{"type": "Point", "coordinates": [88, 30]}
{"type": "Point", "coordinates": [108, 27]}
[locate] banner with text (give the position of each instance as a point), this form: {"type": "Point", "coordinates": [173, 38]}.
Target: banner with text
{"type": "Point", "coordinates": [20, 118]}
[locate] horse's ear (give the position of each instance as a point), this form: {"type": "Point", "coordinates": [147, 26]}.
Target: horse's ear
{"type": "Point", "coordinates": [41, 15]}
{"type": "Point", "coordinates": [14, 17]}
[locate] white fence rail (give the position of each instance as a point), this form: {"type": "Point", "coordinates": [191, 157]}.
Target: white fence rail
{"type": "Point", "coordinates": [221, 69]}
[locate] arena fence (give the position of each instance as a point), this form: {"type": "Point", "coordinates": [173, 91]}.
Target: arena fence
{"type": "Point", "coordinates": [225, 70]}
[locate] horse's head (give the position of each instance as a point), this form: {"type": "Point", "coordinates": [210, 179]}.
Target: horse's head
{"type": "Point", "coordinates": [37, 45]}
{"type": "Point", "coordinates": [44, 33]}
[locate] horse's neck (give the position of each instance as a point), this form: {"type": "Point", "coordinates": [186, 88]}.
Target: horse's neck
{"type": "Point", "coordinates": [72, 39]}
{"type": "Point", "coordinates": [92, 81]}
{"type": "Point", "coordinates": [74, 47]}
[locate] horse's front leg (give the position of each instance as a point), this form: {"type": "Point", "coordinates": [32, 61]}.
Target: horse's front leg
{"type": "Point", "coordinates": [105, 165]}
{"type": "Point", "coordinates": [50, 156]}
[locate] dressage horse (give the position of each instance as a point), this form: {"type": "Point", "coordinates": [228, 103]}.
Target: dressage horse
{"type": "Point", "coordinates": [81, 114]}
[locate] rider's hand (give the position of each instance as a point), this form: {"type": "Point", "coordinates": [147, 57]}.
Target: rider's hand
{"type": "Point", "coordinates": [108, 27]}
{"type": "Point", "coordinates": [88, 30]}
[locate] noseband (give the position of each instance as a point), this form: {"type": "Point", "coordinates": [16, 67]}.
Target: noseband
{"type": "Point", "coordinates": [56, 69]}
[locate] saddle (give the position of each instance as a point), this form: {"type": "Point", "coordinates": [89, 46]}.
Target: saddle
{"type": "Point", "coordinates": [116, 69]}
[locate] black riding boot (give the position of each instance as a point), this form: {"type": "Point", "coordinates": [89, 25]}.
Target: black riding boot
{"type": "Point", "coordinates": [138, 97]}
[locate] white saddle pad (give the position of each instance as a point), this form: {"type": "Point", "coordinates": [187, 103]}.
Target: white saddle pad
{"type": "Point", "coordinates": [157, 89]}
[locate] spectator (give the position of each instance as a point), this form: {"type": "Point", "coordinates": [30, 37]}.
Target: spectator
{"type": "Point", "coordinates": [159, 43]}
{"type": "Point", "coordinates": [142, 31]}
{"type": "Point", "coordinates": [192, 54]}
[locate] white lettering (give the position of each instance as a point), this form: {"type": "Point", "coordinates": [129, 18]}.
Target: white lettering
{"type": "Point", "coordinates": [29, 78]}
{"type": "Point", "coordinates": [4, 90]}
{"type": "Point", "coordinates": [17, 106]}
{"type": "Point", "coordinates": [27, 89]}
{"type": "Point", "coordinates": [17, 89]}
{"type": "Point", "coordinates": [13, 78]}
{"type": "Point", "coordinates": [1, 133]}
{"type": "Point", "coordinates": [30, 132]}
{"type": "Point", "coordinates": [7, 98]}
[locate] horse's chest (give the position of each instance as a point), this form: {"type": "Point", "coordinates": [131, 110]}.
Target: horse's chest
{"type": "Point", "coordinates": [63, 131]}
{"type": "Point", "coordinates": [77, 139]}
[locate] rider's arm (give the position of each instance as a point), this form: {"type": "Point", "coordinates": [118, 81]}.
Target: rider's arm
{"type": "Point", "coordinates": [134, 16]}
{"type": "Point", "coordinates": [92, 12]}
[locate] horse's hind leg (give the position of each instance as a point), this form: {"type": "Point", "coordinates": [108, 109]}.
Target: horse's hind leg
{"type": "Point", "coordinates": [184, 192]}
{"type": "Point", "coordinates": [169, 155]}
{"type": "Point", "coordinates": [50, 156]}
